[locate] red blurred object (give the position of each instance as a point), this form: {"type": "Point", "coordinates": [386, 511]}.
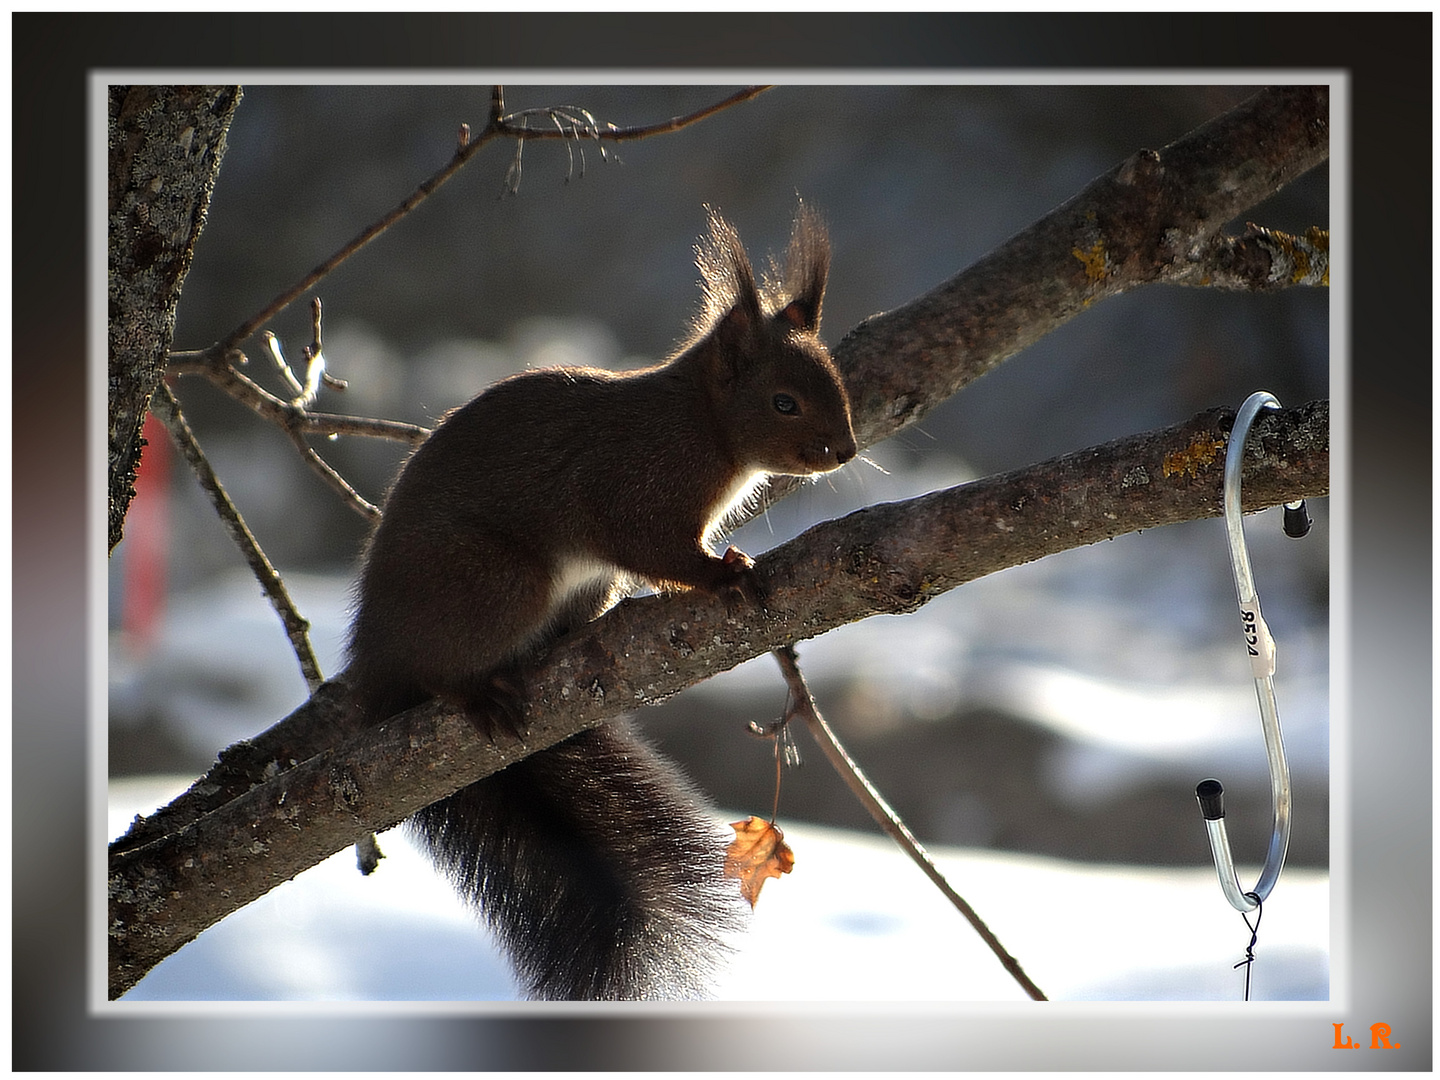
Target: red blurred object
{"type": "Point", "coordinates": [147, 531]}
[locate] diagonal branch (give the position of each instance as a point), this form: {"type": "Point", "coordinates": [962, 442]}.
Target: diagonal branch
{"type": "Point", "coordinates": [1143, 222]}
{"type": "Point", "coordinates": [498, 126]}
{"type": "Point", "coordinates": [803, 706]}
{"type": "Point", "coordinates": [169, 883]}
{"type": "Point", "coordinates": [297, 628]}
{"type": "Point", "coordinates": [217, 362]}
{"type": "Point", "coordinates": [1152, 219]}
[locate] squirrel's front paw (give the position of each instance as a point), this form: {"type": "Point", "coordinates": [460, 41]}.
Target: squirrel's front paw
{"type": "Point", "coordinates": [743, 582]}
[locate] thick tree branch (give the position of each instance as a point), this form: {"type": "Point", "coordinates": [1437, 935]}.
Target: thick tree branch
{"type": "Point", "coordinates": [1153, 219]}
{"type": "Point", "coordinates": [1143, 222]}
{"type": "Point", "coordinates": [891, 558]}
{"type": "Point", "coordinates": [1261, 260]}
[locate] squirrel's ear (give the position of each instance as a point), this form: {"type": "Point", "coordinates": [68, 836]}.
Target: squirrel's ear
{"type": "Point", "coordinates": [735, 332]}
{"type": "Point", "coordinates": [732, 298]}
{"type": "Point", "coordinates": [807, 265]}
{"type": "Point", "coordinates": [802, 314]}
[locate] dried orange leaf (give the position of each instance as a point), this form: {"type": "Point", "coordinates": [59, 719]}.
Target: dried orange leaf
{"type": "Point", "coordinates": [758, 852]}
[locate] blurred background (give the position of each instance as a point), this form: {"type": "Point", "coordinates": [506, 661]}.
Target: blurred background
{"type": "Point", "coordinates": [1063, 709]}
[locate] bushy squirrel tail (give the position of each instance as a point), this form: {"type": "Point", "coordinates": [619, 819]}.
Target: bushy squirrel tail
{"type": "Point", "coordinates": [595, 868]}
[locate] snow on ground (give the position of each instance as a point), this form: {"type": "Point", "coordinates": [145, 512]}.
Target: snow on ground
{"type": "Point", "coordinates": [854, 921]}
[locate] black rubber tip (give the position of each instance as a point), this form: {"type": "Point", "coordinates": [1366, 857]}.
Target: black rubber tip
{"type": "Point", "coordinates": [1211, 796]}
{"type": "Point", "coordinates": [1297, 520]}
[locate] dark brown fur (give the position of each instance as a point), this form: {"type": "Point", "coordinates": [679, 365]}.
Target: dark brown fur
{"type": "Point", "coordinates": [528, 512]}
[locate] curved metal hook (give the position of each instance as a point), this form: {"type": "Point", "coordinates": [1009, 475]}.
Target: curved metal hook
{"type": "Point", "coordinates": [1261, 648]}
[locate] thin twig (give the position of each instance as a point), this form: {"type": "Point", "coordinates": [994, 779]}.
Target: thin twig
{"type": "Point", "coordinates": [327, 472]}
{"type": "Point", "coordinates": [802, 703]}
{"type": "Point", "coordinates": [217, 362]}
{"type": "Point", "coordinates": [277, 353]}
{"type": "Point", "coordinates": [410, 202]}
{"type": "Point", "coordinates": [297, 628]}
{"type": "Point", "coordinates": [497, 127]}
{"type": "Point", "coordinates": [315, 362]}
{"type": "Point", "coordinates": [287, 416]}
{"type": "Point", "coordinates": [611, 133]}
{"type": "Point", "coordinates": [298, 422]}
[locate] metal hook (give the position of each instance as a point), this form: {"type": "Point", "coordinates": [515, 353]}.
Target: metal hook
{"type": "Point", "coordinates": [1261, 648]}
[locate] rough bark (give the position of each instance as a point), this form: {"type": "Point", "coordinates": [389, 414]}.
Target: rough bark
{"type": "Point", "coordinates": [166, 143]}
{"type": "Point", "coordinates": [1148, 220]}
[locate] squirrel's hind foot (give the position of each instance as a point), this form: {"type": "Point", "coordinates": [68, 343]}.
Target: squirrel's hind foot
{"type": "Point", "coordinates": [497, 704]}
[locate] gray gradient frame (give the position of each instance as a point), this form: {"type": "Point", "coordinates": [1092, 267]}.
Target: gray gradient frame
{"type": "Point", "coordinates": [1382, 625]}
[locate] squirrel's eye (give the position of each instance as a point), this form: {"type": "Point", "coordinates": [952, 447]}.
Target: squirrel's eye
{"type": "Point", "coordinates": [786, 404]}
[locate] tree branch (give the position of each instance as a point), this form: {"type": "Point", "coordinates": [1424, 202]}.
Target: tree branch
{"type": "Point", "coordinates": [891, 558]}
{"type": "Point", "coordinates": [802, 705]}
{"type": "Point", "coordinates": [1153, 219]}
{"type": "Point", "coordinates": [498, 126]}
{"type": "Point", "coordinates": [217, 363]}
{"type": "Point", "coordinates": [1146, 221]}
{"type": "Point", "coordinates": [297, 627]}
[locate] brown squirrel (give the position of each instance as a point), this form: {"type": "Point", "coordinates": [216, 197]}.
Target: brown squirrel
{"type": "Point", "coordinates": [528, 512]}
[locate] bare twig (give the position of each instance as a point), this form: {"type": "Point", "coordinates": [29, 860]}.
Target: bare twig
{"type": "Point", "coordinates": [277, 353]}
{"type": "Point", "coordinates": [217, 363]}
{"type": "Point", "coordinates": [357, 502]}
{"type": "Point", "coordinates": [802, 704]}
{"type": "Point", "coordinates": [298, 422]}
{"type": "Point", "coordinates": [314, 355]}
{"type": "Point", "coordinates": [498, 126]}
{"type": "Point", "coordinates": [611, 133]}
{"type": "Point", "coordinates": [315, 372]}
{"type": "Point", "coordinates": [220, 351]}
{"type": "Point", "coordinates": [287, 416]}
{"type": "Point", "coordinates": [297, 628]}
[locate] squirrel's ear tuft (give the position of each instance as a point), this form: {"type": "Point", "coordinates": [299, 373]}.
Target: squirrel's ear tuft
{"type": "Point", "coordinates": [807, 266]}
{"type": "Point", "coordinates": [738, 316]}
{"type": "Point", "coordinates": [796, 292]}
{"type": "Point", "coordinates": [726, 276]}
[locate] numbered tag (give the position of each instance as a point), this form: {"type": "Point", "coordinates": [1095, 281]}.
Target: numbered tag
{"type": "Point", "coordinates": [1258, 641]}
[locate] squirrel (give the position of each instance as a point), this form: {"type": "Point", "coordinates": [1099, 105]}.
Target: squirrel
{"type": "Point", "coordinates": [528, 512]}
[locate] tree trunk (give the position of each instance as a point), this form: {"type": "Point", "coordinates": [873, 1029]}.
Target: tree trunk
{"type": "Point", "coordinates": [166, 143]}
